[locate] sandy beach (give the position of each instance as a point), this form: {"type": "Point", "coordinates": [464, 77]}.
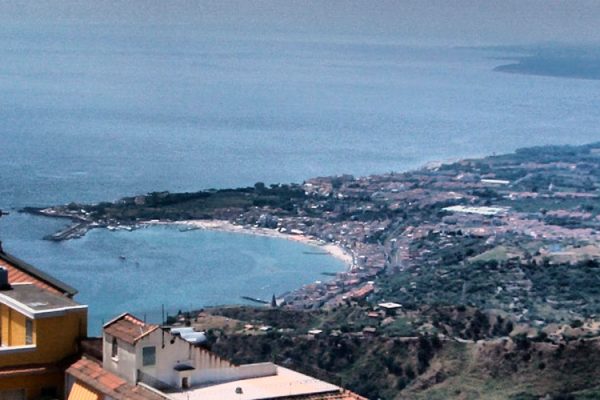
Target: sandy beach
{"type": "Point", "coordinates": [226, 226]}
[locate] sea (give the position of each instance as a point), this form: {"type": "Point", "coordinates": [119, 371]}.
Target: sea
{"type": "Point", "coordinates": [97, 112]}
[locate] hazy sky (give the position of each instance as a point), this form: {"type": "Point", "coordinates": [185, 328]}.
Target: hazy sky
{"type": "Point", "coordinates": [446, 21]}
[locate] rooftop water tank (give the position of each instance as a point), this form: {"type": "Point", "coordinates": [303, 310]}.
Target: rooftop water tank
{"type": "Point", "coordinates": [182, 331]}
{"type": "Point", "coordinates": [194, 337]}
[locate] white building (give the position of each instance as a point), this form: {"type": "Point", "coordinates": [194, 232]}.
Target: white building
{"type": "Point", "coordinates": [170, 364]}
{"type": "Point", "coordinates": [141, 352]}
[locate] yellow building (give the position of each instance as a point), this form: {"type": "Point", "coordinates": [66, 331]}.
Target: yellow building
{"type": "Point", "coordinates": [40, 331]}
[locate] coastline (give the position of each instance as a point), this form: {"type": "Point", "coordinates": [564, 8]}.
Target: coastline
{"type": "Point", "coordinates": [333, 250]}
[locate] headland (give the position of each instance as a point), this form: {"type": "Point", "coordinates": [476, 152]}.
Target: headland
{"type": "Point", "coordinates": [471, 232]}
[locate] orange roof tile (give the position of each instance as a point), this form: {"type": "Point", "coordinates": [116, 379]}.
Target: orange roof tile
{"type": "Point", "coordinates": [21, 272]}
{"type": "Point", "coordinates": [363, 291]}
{"type": "Point", "coordinates": [128, 328]}
{"type": "Point", "coordinates": [17, 276]}
{"type": "Point", "coordinates": [94, 376]}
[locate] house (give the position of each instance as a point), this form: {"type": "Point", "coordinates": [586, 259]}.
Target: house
{"type": "Point", "coordinates": [40, 330]}
{"type": "Point", "coordinates": [390, 308]}
{"type": "Point", "coordinates": [141, 358]}
{"type": "Point", "coordinates": [369, 331]}
{"type": "Point", "coordinates": [141, 352]}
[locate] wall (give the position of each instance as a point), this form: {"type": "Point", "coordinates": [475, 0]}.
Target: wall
{"type": "Point", "coordinates": [173, 353]}
{"type": "Point", "coordinates": [55, 338]}
{"type": "Point", "coordinates": [208, 366]}
{"type": "Point", "coordinates": [13, 327]}
{"type": "Point", "coordinates": [58, 337]}
{"type": "Point", "coordinates": [33, 384]}
{"type": "Point", "coordinates": [125, 364]}
{"type": "Point", "coordinates": [246, 371]}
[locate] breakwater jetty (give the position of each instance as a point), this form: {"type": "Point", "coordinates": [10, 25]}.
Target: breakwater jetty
{"type": "Point", "coordinates": [71, 232]}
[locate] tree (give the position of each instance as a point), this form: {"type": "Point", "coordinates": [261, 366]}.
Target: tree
{"type": "Point", "coordinates": [522, 341]}
{"type": "Point", "coordinates": [259, 187]}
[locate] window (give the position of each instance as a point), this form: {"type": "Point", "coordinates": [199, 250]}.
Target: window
{"type": "Point", "coordinates": [28, 331]}
{"type": "Point", "coordinates": [148, 356]}
{"type": "Point", "coordinates": [115, 349]}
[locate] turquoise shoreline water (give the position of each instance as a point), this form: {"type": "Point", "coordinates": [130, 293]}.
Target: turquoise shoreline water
{"type": "Point", "coordinates": [141, 270]}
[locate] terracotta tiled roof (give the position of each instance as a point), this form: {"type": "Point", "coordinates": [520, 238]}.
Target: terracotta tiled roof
{"type": "Point", "coordinates": [21, 272]}
{"type": "Point", "coordinates": [93, 375]}
{"type": "Point", "coordinates": [363, 291]}
{"type": "Point", "coordinates": [128, 328]}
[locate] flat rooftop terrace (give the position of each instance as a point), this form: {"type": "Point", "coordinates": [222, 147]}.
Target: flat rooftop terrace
{"type": "Point", "coordinates": [285, 384]}
{"type": "Point", "coordinates": [34, 301]}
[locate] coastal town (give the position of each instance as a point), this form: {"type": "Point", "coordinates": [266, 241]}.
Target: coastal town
{"type": "Point", "coordinates": [490, 261]}
{"type": "Point", "coordinates": [538, 206]}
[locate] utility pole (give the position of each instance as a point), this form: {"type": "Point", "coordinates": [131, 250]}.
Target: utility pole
{"type": "Point", "coordinates": [1, 214]}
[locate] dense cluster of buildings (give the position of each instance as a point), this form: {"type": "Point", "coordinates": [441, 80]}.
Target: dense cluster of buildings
{"type": "Point", "coordinates": [529, 201]}
{"type": "Point", "coordinates": [382, 219]}
{"type": "Point", "coordinates": [45, 354]}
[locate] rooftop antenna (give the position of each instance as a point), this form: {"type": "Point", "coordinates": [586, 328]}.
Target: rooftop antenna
{"type": "Point", "coordinates": [162, 323]}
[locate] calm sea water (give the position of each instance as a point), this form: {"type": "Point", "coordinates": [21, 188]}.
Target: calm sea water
{"type": "Point", "coordinates": [98, 112]}
{"type": "Point", "coordinates": [142, 270]}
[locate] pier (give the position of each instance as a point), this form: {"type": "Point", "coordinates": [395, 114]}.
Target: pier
{"type": "Point", "coordinates": [255, 300]}
{"type": "Point", "coordinates": [71, 232]}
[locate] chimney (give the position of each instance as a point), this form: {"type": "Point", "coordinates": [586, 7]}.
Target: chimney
{"type": "Point", "coordinates": [4, 285]}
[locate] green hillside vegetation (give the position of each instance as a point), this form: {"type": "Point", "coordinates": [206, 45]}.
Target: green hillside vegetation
{"type": "Point", "coordinates": [502, 249]}
{"type": "Point", "coordinates": [197, 205]}
{"type": "Point", "coordinates": [391, 365]}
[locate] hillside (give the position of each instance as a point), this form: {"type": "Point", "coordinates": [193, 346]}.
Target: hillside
{"type": "Point", "coordinates": [490, 267]}
{"type": "Point", "coordinates": [410, 363]}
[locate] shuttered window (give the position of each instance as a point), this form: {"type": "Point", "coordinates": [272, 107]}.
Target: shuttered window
{"type": "Point", "coordinates": [148, 356]}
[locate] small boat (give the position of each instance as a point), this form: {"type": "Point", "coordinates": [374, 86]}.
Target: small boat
{"type": "Point", "coordinates": [189, 228]}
